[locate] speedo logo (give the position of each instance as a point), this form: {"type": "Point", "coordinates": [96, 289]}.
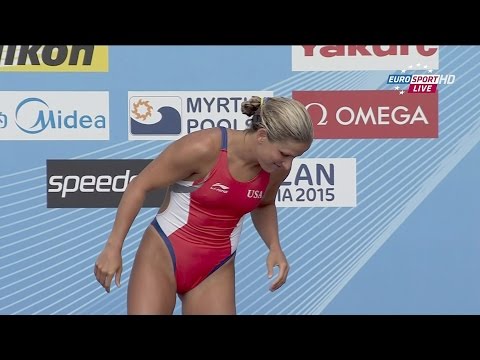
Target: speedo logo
{"type": "Point", "coordinates": [89, 183]}
{"type": "Point", "coordinates": [94, 183]}
{"type": "Point", "coordinates": [220, 188]}
{"type": "Point", "coordinates": [58, 58]}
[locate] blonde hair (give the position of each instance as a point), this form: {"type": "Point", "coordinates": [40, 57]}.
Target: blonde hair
{"type": "Point", "coordinates": [284, 119]}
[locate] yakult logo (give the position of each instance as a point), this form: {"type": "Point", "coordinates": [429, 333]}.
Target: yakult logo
{"type": "Point", "coordinates": [363, 114]}
{"type": "Point", "coordinates": [361, 57]}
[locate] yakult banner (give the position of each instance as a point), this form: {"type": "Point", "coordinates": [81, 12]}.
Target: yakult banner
{"type": "Point", "coordinates": [319, 183]}
{"type": "Point", "coordinates": [54, 115]}
{"type": "Point", "coordinates": [363, 57]}
{"type": "Point", "coordinates": [367, 114]}
{"type": "Point", "coordinates": [169, 115]}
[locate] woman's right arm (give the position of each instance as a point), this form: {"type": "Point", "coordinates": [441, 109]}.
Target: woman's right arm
{"type": "Point", "coordinates": [178, 161]}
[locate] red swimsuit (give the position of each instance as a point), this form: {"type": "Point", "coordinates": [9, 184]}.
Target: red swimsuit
{"type": "Point", "coordinates": [202, 223]}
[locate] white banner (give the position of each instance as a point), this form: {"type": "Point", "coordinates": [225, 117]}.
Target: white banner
{"type": "Point", "coordinates": [169, 115]}
{"type": "Point", "coordinates": [54, 115]}
{"type": "Point", "coordinates": [319, 183]}
{"type": "Point", "coordinates": [364, 57]}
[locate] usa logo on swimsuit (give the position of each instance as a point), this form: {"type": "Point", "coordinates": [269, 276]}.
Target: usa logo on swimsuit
{"type": "Point", "coordinates": [254, 194]}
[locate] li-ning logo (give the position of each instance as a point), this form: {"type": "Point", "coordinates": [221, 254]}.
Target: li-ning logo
{"type": "Point", "coordinates": [220, 188]}
{"type": "Point", "coordinates": [255, 194]}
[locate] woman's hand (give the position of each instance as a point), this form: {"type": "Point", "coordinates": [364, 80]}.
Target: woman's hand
{"type": "Point", "coordinates": [108, 265]}
{"type": "Point", "coordinates": [276, 257]}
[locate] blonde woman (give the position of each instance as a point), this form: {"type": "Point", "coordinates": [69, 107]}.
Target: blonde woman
{"type": "Point", "coordinates": [215, 177]}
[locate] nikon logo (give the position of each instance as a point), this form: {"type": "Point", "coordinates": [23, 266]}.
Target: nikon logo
{"type": "Point", "coordinates": [54, 58]}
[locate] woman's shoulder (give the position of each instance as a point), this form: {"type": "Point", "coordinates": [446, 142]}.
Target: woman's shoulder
{"type": "Point", "coordinates": [203, 142]}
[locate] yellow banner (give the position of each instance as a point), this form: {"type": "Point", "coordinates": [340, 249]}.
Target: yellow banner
{"type": "Point", "coordinates": [59, 58]}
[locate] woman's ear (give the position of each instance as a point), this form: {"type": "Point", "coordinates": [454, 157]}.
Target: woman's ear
{"type": "Point", "coordinates": [261, 135]}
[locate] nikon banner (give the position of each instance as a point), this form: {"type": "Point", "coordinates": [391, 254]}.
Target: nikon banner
{"type": "Point", "coordinates": [54, 58]}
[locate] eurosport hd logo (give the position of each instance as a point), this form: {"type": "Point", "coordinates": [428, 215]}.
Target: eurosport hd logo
{"type": "Point", "coordinates": [56, 58]}
{"type": "Point", "coordinates": [407, 81]}
{"type": "Point", "coordinates": [54, 115]}
{"type": "Point", "coordinates": [169, 115]}
{"type": "Point", "coordinates": [94, 183]}
{"type": "Point", "coordinates": [370, 114]}
{"type": "Point", "coordinates": [362, 57]}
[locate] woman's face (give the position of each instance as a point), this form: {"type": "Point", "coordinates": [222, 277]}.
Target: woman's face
{"type": "Point", "coordinates": [273, 156]}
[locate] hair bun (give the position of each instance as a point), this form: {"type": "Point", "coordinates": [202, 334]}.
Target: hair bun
{"type": "Point", "coordinates": [251, 106]}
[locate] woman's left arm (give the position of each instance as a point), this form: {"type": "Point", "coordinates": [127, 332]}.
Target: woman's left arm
{"type": "Point", "coordinates": [265, 220]}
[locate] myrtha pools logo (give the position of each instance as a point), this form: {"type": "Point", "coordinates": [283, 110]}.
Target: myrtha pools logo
{"type": "Point", "coordinates": [169, 115]}
{"type": "Point", "coordinates": [154, 115]}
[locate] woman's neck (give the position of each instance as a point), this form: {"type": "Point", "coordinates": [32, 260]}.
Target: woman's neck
{"type": "Point", "coordinates": [244, 148]}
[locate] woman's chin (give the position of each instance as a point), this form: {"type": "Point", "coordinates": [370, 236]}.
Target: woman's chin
{"type": "Point", "coordinates": [270, 169]}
